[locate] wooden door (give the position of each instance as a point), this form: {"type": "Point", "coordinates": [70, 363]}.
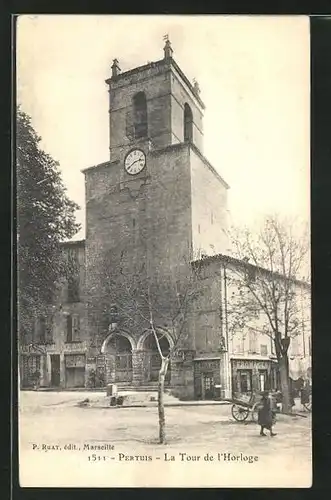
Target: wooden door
{"type": "Point", "coordinates": [208, 384]}
{"type": "Point", "coordinates": [55, 370]}
{"type": "Point", "coordinates": [123, 366]}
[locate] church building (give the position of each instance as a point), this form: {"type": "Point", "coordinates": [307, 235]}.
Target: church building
{"type": "Point", "coordinates": [156, 205]}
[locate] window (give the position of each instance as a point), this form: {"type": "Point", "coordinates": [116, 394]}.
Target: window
{"type": "Point", "coordinates": [263, 375]}
{"type": "Point", "coordinates": [245, 380]}
{"type": "Point", "coordinates": [44, 332]}
{"type": "Point", "coordinates": [264, 350]}
{"type": "Point", "coordinates": [140, 115]}
{"type": "Point", "coordinates": [73, 278]}
{"type": "Point", "coordinates": [41, 330]}
{"type": "Point", "coordinates": [49, 330]}
{"type": "Point", "coordinates": [31, 366]}
{"type": "Point", "coordinates": [69, 328]}
{"type": "Point", "coordinates": [188, 123]}
{"type": "Point", "coordinates": [73, 289]}
{"type": "Point", "coordinates": [73, 328]}
{"type": "Point", "coordinates": [252, 341]}
{"type": "Point", "coordinates": [31, 363]}
{"type": "Point", "coordinates": [239, 344]}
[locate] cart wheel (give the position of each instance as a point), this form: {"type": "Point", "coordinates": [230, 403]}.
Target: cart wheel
{"type": "Point", "coordinates": [239, 413]}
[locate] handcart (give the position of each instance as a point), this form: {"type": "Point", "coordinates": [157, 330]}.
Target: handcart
{"type": "Point", "coordinates": [245, 405]}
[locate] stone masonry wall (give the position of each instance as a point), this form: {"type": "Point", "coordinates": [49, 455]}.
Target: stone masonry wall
{"type": "Point", "coordinates": [151, 224]}
{"type": "Point", "coordinates": [209, 208]}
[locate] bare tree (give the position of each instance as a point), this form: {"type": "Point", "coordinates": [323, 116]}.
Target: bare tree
{"type": "Point", "coordinates": [268, 287]}
{"type": "Point", "coordinates": [144, 302]}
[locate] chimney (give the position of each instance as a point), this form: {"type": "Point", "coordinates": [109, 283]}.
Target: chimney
{"type": "Point", "coordinates": [167, 48]}
{"type": "Point", "coordinates": [115, 69]}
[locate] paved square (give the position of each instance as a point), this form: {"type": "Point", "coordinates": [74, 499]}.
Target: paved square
{"type": "Point", "coordinates": [71, 436]}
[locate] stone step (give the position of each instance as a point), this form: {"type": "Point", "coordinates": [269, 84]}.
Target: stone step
{"type": "Point", "coordinates": [130, 398]}
{"type": "Point", "coordinates": [141, 388]}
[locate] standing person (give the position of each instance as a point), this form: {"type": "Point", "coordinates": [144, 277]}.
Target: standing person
{"type": "Point", "coordinates": [265, 414]}
{"type": "Point", "coordinates": [305, 394]}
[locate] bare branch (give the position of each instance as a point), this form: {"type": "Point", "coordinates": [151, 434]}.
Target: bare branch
{"type": "Point", "coordinates": [266, 279]}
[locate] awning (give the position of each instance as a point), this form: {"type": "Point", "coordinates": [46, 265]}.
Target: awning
{"type": "Point", "coordinates": [300, 368]}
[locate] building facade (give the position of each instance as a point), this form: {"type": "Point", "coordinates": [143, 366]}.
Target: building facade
{"type": "Point", "coordinates": [156, 205]}
{"type": "Point", "coordinates": [242, 359]}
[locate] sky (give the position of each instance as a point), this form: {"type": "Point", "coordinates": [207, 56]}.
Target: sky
{"type": "Point", "coordinates": [254, 75]}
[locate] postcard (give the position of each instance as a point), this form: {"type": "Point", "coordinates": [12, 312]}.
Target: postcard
{"type": "Point", "coordinates": [163, 277]}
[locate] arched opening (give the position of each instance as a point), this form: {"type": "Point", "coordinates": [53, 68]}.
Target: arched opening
{"type": "Point", "coordinates": [140, 115]}
{"type": "Point", "coordinates": [188, 123]}
{"type": "Point", "coordinates": [153, 358]}
{"type": "Point", "coordinates": [119, 351]}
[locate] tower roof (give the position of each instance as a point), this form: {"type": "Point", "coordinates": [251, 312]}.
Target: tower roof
{"type": "Point", "coordinates": [167, 62]}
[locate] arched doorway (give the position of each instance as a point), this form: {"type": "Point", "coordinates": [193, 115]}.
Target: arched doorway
{"type": "Point", "coordinates": [119, 350]}
{"type": "Point", "coordinates": [153, 359]}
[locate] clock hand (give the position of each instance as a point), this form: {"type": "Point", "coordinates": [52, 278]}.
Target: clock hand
{"type": "Point", "coordinates": [139, 159]}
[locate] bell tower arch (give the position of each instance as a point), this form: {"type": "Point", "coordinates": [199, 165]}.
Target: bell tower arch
{"type": "Point", "coordinates": [150, 103]}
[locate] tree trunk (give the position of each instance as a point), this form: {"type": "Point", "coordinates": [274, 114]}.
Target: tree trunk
{"type": "Point", "coordinates": [284, 383]}
{"type": "Point", "coordinates": [160, 400]}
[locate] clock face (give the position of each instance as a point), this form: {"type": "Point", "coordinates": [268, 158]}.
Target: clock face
{"type": "Point", "coordinates": [135, 161]}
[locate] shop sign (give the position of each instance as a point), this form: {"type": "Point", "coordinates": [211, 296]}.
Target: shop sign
{"type": "Point", "coordinates": [75, 360]}
{"type": "Point", "coordinates": [33, 349]}
{"type": "Point", "coordinates": [183, 355]}
{"type": "Point", "coordinates": [249, 364]}
{"type": "Point", "coordinates": [209, 365]}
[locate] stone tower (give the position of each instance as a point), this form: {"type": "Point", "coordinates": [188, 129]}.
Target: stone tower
{"type": "Point", "coordinates": [157, 202]}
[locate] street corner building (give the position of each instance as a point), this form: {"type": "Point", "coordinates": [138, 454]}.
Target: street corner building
{"type": "Point", "coordinates": [156, 201]}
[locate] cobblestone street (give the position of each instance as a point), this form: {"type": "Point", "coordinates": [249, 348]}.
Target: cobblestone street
{"type": "Point", "coordinates": [54, 420]}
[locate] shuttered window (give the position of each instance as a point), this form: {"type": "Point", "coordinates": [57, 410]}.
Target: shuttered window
{"type": "Point", "coordinates": [140, 115]}
{"type": "Point", "coordinates": [264, 350]}
{"type": "Point", "coordinates": [75, 327]}
{"type": "Point", "coordinates": [69, 328]}
{"type": "Point", "coordinates": [253, 342]}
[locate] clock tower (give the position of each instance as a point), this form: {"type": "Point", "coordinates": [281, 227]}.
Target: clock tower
{"type": "Point", "coordinates": [157, 202]}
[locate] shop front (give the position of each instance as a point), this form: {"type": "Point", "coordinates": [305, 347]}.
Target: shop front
{"type": "Point", "coordinates": [33, 367]}
{"type": "Point", "coordinates": [32, 370]}
{"type": "Point", "coordinates": [252, 376]}
{"type": "Point", "coordinates": [74, 370]}
{"type": "Point", "coordinates": [206, 378]}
